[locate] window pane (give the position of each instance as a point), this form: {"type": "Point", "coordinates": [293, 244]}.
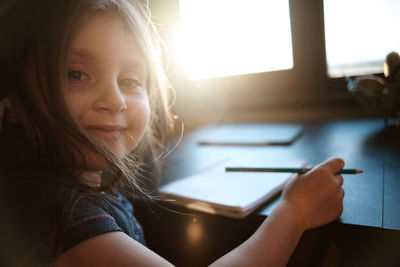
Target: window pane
{"type": "Point", "coordinates": [359, 34]}
{"type": "Point", "coordinates": [230, 37]}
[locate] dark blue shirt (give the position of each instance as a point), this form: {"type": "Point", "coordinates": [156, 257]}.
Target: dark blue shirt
{"type": "Point", "coordinates": [92, 217]}
{"type": "Point", "coordinates": [33, 207]}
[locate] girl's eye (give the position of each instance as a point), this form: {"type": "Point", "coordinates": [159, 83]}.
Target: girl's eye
{"type": "Point", "coordinates": [76, 75]}
{"type": "Point", "coordinates": [129, 83]}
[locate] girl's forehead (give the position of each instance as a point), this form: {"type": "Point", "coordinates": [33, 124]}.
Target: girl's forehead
{"type": "Point", "coordinates": [103, 35]}
{"type": "Point", "coordinates": [101, 26]}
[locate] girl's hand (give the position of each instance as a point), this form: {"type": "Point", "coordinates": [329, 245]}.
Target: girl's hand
{"type": "Point", "coordinates": [316, 197]}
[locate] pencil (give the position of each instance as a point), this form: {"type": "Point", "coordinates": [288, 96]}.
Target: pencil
{"type": "Point", "coordinates": [293, 170]}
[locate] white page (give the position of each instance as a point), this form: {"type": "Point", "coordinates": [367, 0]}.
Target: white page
{"type": "Point", "coordinates": [238, 190]}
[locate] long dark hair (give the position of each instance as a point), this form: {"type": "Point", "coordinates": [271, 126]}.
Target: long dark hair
{"type": "Point", "coordinates": [34, 40]}
{"type": "Point", "coordinates": [35, 36]}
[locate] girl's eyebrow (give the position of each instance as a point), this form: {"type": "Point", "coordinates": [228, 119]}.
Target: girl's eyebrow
{"type": "Point", "coordinates": [83, 53]}
{"type": "Point", "coordinates": [131, 64]}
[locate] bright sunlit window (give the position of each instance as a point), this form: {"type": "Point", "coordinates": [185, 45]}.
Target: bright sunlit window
{"type": "Point", "coordinates": [359, 34]}
{"type": "Point", "coordinates": [231, 37]}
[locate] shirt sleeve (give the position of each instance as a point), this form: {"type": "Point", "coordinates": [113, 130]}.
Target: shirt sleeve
{"type": "Point", "coordinates": [88, 220]}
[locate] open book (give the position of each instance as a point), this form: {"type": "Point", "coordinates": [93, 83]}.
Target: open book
{"type": "Point", "coordinates": [232, 194]}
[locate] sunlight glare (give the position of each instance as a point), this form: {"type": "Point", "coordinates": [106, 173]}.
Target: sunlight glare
{"type": "Point", "coordinates": [230, 37]}
{"type": "Point", "coordinates": [359, 34]}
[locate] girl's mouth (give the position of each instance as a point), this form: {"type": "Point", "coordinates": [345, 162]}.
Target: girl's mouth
{"type": "Point", "coordinates": [105, 132]}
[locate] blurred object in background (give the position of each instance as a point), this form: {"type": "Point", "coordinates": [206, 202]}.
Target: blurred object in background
{"type": "Point", "coordinates": [379, 94]}
{"type": "Point", "coordinates": [359, 34]}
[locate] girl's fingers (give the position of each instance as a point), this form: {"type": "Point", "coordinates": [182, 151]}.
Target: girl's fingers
{"type": "Point", "coordinates": [339, 178]}
{"type": "Point", "coordinates": [341, 192]}
{"type": "Point", "coordinates": [334, 164]}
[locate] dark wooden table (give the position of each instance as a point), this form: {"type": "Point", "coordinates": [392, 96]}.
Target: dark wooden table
{"type": "Point", "coordinates": [365, 235]}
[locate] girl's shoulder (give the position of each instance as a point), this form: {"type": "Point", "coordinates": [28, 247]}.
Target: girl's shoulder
{"type": "Point", "coordinates": [48, 193]}
{"type": "Point", "coordinates": [30, 205]}
{"type": "Point", "coordinates": [32, 188]}
{"type": "Point", "coordinates": [32, 200]}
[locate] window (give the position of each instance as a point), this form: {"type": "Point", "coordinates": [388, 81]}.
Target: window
{"type": "Point", "coordinates": [359, 34]}
{"type": "Point", "coordinates": [219, 38]}
{"type": "Point", "coordinates": [306, 55]}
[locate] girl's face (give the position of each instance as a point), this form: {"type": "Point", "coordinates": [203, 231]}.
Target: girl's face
{"type": "Point", "coordinates": [106, 92]}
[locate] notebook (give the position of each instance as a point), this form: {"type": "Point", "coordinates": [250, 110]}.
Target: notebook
{"type": "Point", "coordinates": [231, 194]}
{"type": "Point", "coordinates": [250, 134]}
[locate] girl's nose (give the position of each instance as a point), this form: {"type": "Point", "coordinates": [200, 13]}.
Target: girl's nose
{"type": "Point", "coordinates": [110, 99]}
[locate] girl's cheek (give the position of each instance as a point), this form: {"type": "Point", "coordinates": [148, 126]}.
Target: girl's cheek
{"type": "Point", "coordinates": [147, 113]}
{"type": "Point", "coordinates": [140, 117]}
{"type": "Point", "coordinates": [143, 116]}
{"type": "Point", "coordinates": [75, 101]}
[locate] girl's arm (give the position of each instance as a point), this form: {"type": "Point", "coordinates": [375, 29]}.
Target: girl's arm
{"type": "Point", "coordinates": [115, 249]}
{"type": "Point", "coordinates": [308, 201]}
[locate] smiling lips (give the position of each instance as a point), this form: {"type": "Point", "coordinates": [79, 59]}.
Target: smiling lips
{"type": "Point", "coordinates": [106, 131]}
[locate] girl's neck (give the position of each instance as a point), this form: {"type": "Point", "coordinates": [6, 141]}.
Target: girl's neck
{"type": "Point", "coordinates": [91, 178]}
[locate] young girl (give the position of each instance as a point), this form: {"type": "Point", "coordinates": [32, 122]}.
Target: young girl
{"type": "Point", "coordinates": [86, 114]}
